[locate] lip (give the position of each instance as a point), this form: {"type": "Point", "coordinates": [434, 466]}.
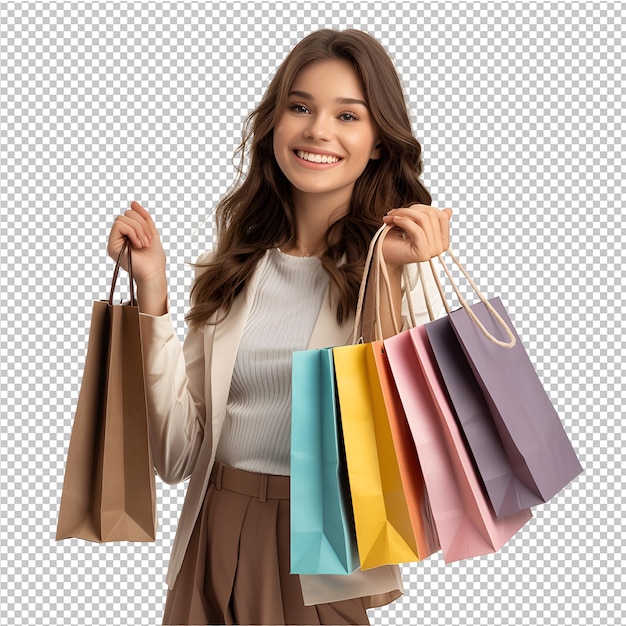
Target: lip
{"type": "Point", "coordinates": [311, 164]}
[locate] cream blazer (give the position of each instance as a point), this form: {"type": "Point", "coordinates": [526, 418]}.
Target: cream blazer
{"type": "Point", "coordinates": [187, 390]}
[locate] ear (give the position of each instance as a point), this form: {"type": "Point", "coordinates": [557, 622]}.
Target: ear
{"type": "Point", "coordinates": [376, 151]}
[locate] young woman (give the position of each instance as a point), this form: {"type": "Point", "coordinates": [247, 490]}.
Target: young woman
{"type": "Point", "coordinates": [331, 158]}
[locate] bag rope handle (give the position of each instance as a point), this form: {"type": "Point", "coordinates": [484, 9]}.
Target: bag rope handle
{"type": "Point", "coordinates": [125, 247]}
{"type": "Point", "coordinates": [505, 344]}
{"type": "Point", "coordinates": [381, 268]}
{"type": "Point", "coordinates": [374, 256]}
{"type": "Point", "coordinates": [358, 321]}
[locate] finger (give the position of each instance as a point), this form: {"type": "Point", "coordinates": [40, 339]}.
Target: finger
{"type": "Point", "coordinates": [125, 226]}
{"type": "Point", "coordinates": [432, 235]}
{"type": "Point", "coordinates": [135, 206]}
{"type": "Point", "coordinates": [409, 210]}
{"type": "Point", "coordinates": [439, 237]}
{"type": "Point", "coordinates": [120, 233]}
{"type": "Point", "coordinates": [419, 212]}
{"type": "Point", "coordinates": [418, 236]}
{"type": "Point", "coordinates": [117, 238]}
{"type": "Point", "coordinates": [147, 225]}
{"type": "Point", "coordinates": [444, 222]}
{"type": "Point", "coordinates": [435, 239]}
{"type": "Point", "coordinates": [426, 219]}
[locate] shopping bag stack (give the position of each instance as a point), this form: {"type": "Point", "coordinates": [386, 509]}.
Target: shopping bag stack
{"type": "Point", "coordinates": [109, 486]}
{"type": "Point", "coordinates": [448, 434]}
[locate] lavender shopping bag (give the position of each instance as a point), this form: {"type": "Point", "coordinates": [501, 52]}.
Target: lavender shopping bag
{"type": "Point", "coordinates": [509, 487]}
{"type": "Point", "coordinates": [529, 427]}
{"type": "Point", "coordinates": [534, 455]}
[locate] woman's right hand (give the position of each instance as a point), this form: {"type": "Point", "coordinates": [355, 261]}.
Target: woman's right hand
{"type": "Point", "coordinates": [137, 226]}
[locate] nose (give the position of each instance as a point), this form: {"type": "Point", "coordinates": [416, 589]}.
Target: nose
{"type": "Point", "coordinates": [318, 128]}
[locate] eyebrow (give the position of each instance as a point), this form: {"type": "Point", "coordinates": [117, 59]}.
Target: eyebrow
{"type": "Point", "coordinates": [308, 96]}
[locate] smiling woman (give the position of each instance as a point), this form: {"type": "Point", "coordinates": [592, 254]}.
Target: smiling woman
{"type": "Point", "coordinates": [332, 157]}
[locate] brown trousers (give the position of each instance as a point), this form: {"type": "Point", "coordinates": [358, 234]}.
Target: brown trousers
{"type": "Point", "coordinates": [236, 568]}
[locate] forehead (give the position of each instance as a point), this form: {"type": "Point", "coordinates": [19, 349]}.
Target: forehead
{"type": "Point", "coordinates": [329, 77]}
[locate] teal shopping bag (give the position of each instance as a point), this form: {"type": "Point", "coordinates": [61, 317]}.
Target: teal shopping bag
{"type": "Point", "coordinates": [323, 539]}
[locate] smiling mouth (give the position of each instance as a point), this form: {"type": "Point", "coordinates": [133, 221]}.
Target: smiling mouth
{"type": "Point", "coordinates": [312, 157]}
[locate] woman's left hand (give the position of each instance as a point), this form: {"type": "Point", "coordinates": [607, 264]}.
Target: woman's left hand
{"type": "Point", "coordinates": [420, 232]}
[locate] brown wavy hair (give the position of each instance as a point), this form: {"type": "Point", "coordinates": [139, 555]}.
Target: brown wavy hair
{"type": "Point", "coordinates": [257, 212]}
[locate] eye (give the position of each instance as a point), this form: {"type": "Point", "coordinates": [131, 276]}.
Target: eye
{"type": "Point", "coordinates": [348, 116]}
{"type": "Point", "coordinates": [298, 108]}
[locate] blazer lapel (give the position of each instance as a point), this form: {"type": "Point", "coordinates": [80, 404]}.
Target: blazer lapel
{"type": "Point", "coordinates": [228, 335]}
{"type": "Point", "coordinates": [327, 331]}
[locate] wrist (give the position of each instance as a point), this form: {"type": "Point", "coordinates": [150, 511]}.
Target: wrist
{"type": "Point", "coordinates": [394, 271]}
{"type": "Point", "coordinates": [152, 295]}
{"type": "Point", "coordinates": [155, 282]}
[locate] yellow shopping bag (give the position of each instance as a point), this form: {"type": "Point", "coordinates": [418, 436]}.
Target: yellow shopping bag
{"type": "Point", "coordinates": [390, 528]}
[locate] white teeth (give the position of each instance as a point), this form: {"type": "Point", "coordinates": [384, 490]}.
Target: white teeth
{"type": "Point", "coordinates": [317, 158]}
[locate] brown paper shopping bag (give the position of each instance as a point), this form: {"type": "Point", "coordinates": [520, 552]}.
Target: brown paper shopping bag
{"type": "Point", "coordinates": [109, 490]}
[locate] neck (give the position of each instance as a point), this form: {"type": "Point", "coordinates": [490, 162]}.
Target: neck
{"type": "Point", "coordinates": [296, 248]}
{"type": "Point", "coordinates": [314, 213]}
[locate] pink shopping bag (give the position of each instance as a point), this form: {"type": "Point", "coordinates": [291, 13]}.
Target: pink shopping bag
{"type": "Point", "coordinates": [464, 519]}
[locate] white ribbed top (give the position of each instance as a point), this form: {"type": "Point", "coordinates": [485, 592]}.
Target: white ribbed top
{"type": "Point", "coordinates": [257, 428]}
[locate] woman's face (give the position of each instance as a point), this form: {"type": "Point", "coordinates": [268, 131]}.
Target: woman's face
{"type": "Point", "coordinates": [325, 137]}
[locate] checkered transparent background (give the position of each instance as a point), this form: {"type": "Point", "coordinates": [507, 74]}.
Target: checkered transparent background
{"type": "Point", "coordinates": [519, 107]}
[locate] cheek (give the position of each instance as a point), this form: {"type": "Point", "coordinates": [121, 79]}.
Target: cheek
{"type": "Point", "coordinates": [276, 138]}
{"type": "Point", "coordinates": [363, 149]}
{"type": "Point", "coordinates": [280, 147]}
{"type": "Point", "coordinates": [280, 141]}
{"type": "Point", "coordinates": [281, 130]}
